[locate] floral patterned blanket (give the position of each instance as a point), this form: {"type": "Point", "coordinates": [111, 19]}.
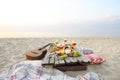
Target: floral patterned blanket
{"type": "Point", "coordinates": [33, 70]}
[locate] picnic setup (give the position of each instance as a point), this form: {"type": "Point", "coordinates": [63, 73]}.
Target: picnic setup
{"type": "Point", "coordinates": [52, 60]}
{"type": "Point", "coordinates": [65, 56]}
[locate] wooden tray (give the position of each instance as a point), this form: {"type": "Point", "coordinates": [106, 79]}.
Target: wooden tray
{"type": "Point", "coordinates": [69, 64]}
{"type": "Point", "coordinates": [72, 68]}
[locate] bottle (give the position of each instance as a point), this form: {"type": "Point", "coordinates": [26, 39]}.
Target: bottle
{"type": "Point", "coordinates": [61, 49]}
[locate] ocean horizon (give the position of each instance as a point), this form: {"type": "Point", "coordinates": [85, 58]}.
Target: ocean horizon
{"type": "Point", "coordinates": [49, 35]}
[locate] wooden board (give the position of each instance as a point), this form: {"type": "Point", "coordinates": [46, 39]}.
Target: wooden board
{"type": "Point", "coordinates": [45, 62]}
{"type": "Point", "coordinates": [72, 68]}
{"type": "Point", "coordinates": [69, 64]}
{"type": "Point", "coordinates": [46, 59]}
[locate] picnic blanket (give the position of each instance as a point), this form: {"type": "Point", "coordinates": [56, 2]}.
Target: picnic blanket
{"type": "Point", "coordinates": [85, 50]}
{"type": "Point", "coordinates": [33, 70]}
{"type": "Point", "coordinates": [94, 59]}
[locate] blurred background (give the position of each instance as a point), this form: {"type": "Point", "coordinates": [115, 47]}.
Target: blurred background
{"type": "Point", "coordinates": [59, 18]}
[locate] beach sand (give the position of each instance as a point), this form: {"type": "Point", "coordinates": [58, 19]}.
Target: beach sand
{"type": "Point", "coordinates": [12, 50]}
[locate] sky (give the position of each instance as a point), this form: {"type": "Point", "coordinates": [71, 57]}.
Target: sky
{"type": "Point", "coordinates": [59, 18]}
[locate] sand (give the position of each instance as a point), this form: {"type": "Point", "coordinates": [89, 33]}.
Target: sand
{"type": "Point", "coordinates": [12, 50]}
